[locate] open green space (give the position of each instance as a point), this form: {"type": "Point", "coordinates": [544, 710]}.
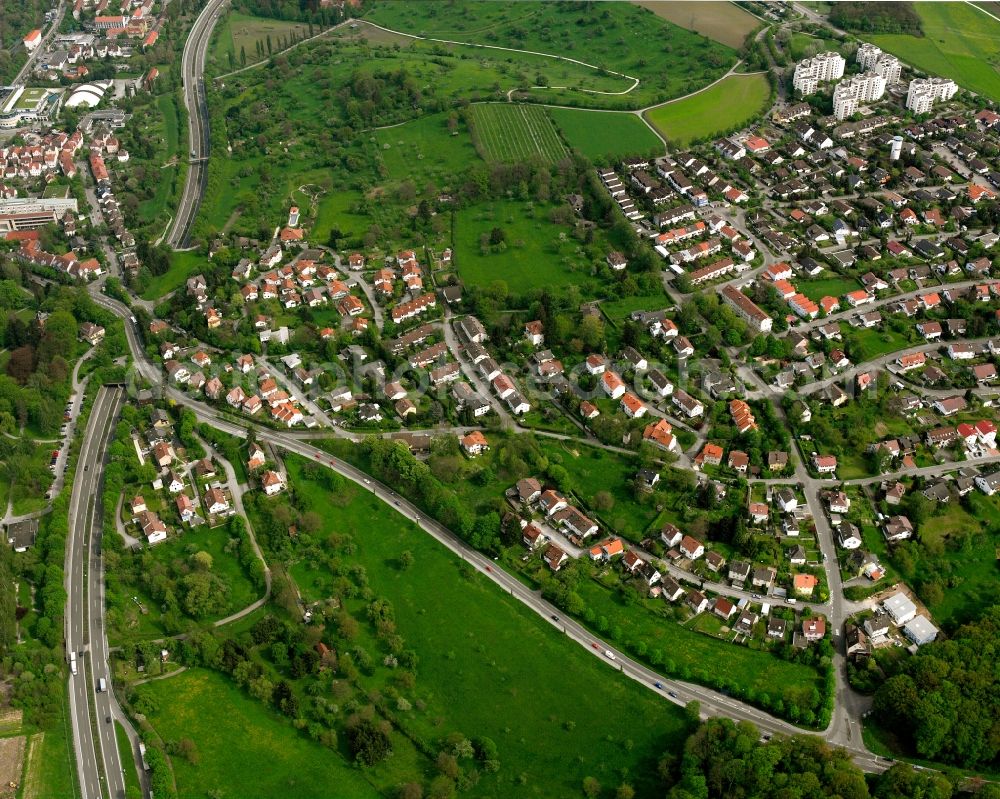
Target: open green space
{"type": "Point", "coordinates": [427, 149]}
{"type": "Point", "coordinates": [182, 266]}
{"type": "Point", "coordinates": [507, 132]}
{"type": "Point", "coordinates": [608, 36]}
{"type": "Point", "coordinates": [960, 42]}
{"type": "Point", "coordinates": [592, 471]}
{"type": "Point", "coordinates": [728, 105]}
{"type": "Point", "coordinates": [815, 290]}
{"type": "Point", "coordinates": [132, 788]}
{"type": "Point", "coordinates": [243, 748]}
{"type": "Point", "coordinates": [52, 770]}
{"type": "Point", "coordinates": [239, 35]}
{"type": "Point", "coordinates": [957, 562]}
{"type": "Point", "coordinates": [722, 21]}
{"type": "Point", "coordinates": [864, 345]}
{"type": "Point", "coordinates": [225, 564]}
{"type": "Point", "coordinates": [618, 310]}
{"type": "Point", "coordinates": [500, 671]}
{"type": "Point", "coordinates": [536, 253]}
{"type": "Point", "coordinates": [759, 676]}
{"type": "Point", "coordinates": [603, 135]}
{"type": "Point", "coordinates": [155, 209]}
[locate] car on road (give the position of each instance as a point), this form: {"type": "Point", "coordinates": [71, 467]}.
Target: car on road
{"type": "Point", "coordinates": [658, 685]}
{"type": "Point", "coordinates": [555, 617]}
{"type": "Point", "coordinates": [609, 654]}
{"type": "Point", "coordinates": [671, 694]}
{"type": "Point", "coordinates": [107, 719]}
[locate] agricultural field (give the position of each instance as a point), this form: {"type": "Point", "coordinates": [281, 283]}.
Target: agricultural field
{"type": "Point", "coordinates": [524, 657]}
{"type": "Point", "coordinates": [435, 147]}
{"type": "Point", "coordinates": [960, 41]}
{"type": "Point", "coordinates": [605, 136]}
{"type": "Point", "coordinates": [515, 133]}
{"type": "Point", "coordinates": [728, 105]}
{"type": "Point", "coordinates": [606, 36]}
{"type": "Point", "coordinates": [724, 22]}
{"type": "Point", "coordinates": [536, 253]}
{"type": "Point", "coordinates": [242, 34]}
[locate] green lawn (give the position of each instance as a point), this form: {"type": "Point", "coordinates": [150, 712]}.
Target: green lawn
{"type": "Point", "coordinates": [605, 135]}
{"type": "Point", "coordinates": [426, 150]}
{"type": "Point", "coordinates": [864, 345]}
{"type": "Point", "coordinates": [182, 266]}
{"type": "Point", "coordinates": [507, 132]}
{"type": "Point", "coordinates": [236, 736]}
{"type": "Point", "coordinates": [132, 788]}
{"type": "Point", "coordinates": [728, 105]}
{"type": "Point", "coordinates": [619, 310]}
{"type": "Point", "coordinates": [974, 566]}
{"type": "Point", "coordinates": [159, 207]}
{"type": "Point", "coordinates": [757, 675]}
{"type": "Point", "coordinates": [537, 253]}
{"type": "Point", "coordinates": [832, 286]}
{"type": "Point", "coordinates": [612, 36]}
{"type": "Point", "coordinates": [959, 42]}
{"type": "Point", "coordinates": [53, 768]}
{"type": "Point", "coordinates": [489, 666]}
{"type": "Point", "coordinates": [593, 470]}
{"type": "Point", "coordinates": [240, 33]}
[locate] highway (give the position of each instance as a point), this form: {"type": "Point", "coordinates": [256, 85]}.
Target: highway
{"type": "Point", "coordinates": [97, 758]}
{"type": "Point", "coordinates": [195, 100]}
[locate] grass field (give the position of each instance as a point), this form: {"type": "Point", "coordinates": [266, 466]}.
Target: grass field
{"type": "Point", "coordinates": [182, 266]}
{"type": "Point", "coordinates": [51, 770]}
{"type": "Point", "coordinates": [605, 136]}
{"type": "Point", "coordinates": [425, 149]}
{"type": "Point", "coordinates": [722, 21]}
{"type": "Point", "coordinates": [233, 744]}
{"type": "Point", "coordinates": [501, 671]}
{"type": "Point", "coordinates": [132, 788]}
{"type": "Point", "coordinates": [515, 133]}
{"type": "Point", "coordinates": [833, 287]}
{"type": "Point", "coordinates": [593, 470]}
{"type": "Point", "coordinates": [156, 210]}
{"type": "Point", "coordinates": [538, 253]}
{"type": "Point", "coordinates": [728, 105]}
{"type": "Point", "coordinates": [973, 568]}
{"type": "Point", "coordinates": [864, 345]}
{"type": "Point", "coordinates": [241, 32]}
{"type": "Point", "coordinates": [959, 42]}
{"type": "Point", "coordinates": [608, 36]}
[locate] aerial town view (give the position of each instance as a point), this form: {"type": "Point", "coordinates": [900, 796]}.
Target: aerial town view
{"type": "Point", "coordinates": [417, 399]}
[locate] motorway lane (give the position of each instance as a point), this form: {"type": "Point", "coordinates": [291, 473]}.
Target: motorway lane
{"type": "Point", "coordinates": [83, 567]}
{"type": "Point", "coordinates": [193, 72]}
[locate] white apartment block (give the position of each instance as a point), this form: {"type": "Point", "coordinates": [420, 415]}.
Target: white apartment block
{"type": "Point", "coordinates": [924, 92]}
{"type": "Point", "coordinates": [850, 93]}
{"type": "Point", "coordinates": [810, 72]}
{"type": "Point", "coordinates": [888, 67]}
{"type": "Point", "coordinates": [867, 55]}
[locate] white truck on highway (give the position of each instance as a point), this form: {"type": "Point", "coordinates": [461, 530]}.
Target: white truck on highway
{"type": "Point", "coordinates": [72, 662]}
